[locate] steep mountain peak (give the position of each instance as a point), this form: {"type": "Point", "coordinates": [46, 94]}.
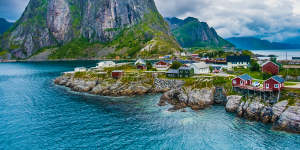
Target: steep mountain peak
{"type": "Point", "coordinates": [190, 19]}
{"type": "Point", "coordinates": [48, 23]}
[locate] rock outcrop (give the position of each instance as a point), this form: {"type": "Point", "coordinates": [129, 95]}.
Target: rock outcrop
{"type": "Point", "coordinates": [50, 23]}
{"type": "Point", "coordinates": [233, 103]}
{"type": "Point", "coordinates": [116, 88]}
{"type": "Point", "coordinates": [289, 120]}
{"type": "Point", "coordinates": [184, 97]}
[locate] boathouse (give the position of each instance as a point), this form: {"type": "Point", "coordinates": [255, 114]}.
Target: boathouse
{"type": "Point", "coordinates": [275, 83]}
{"type": "Point", "coordinates": [185, 72]}
{"type": "Point", "coordinates": [172, 73]}
{"type": "Point", "coordinates": [271, 68]}
{"type": "Point", "coordinates": [242, 80]}
{"type": "Point", "coordinates": [117, 74]}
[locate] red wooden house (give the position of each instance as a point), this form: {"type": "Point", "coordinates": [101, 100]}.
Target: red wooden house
{"type": "Point", "coordinates": [271, 68]}
{"type": "Point", "coordinates": [117, 74]}
{"type": "Point", "coordinates": [162, 65]}
{"type": "Point", "coordinates": [242, 80]}
{"type": "Point", "coordinates": [275, 83]}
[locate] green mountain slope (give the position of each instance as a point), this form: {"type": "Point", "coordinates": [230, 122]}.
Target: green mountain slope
{"type": "Point", "coordinates": [80, 29]}
{"type": "Point", "coordinates": [190, 33]}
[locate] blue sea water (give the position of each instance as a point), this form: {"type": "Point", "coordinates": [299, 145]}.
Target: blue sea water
{"type": "Point", "coordinates": [36, 114]}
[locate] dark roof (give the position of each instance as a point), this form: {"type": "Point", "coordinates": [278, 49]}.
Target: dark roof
{"type": "Point", "coordinates": [278, 79]}
{"type": "Point", "coordinates": [185, 68]}
{"type": "Point", "coordinates": [242, 58]}
{"type": "Point", "coordinates": [245, 77]}
{"type": "Point", "coordinates": [173, 71]}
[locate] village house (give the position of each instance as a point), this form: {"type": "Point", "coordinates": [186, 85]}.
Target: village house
{"type": "Point", "coordinates": [80, 69]}
{"type": "Point", "coordinates": [106, 64]}
{"type": "Point", "coordinates": [237, 61]}
{"type": "Point", "coordinates": [172, 73]}
{"type": "Point", "coordinates": [161, 66]}
{"type": "Point", "coordinates": [271, 68]}
{"type": "Point", "coordinates": [275, 83]}
{"type": "Point", "coordinates": [242, 80]}
{"type": "Point", "coordinates": [200, 68]}
{"type": "Point", "coordinates": [117, 74]}
{"type": "Point", "coordinates": [141, 64]}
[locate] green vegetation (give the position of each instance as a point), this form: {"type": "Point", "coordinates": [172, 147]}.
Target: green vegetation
{"type": "Point", "coordinates": [151, 30]}
{"type": "Point", "coordinates": [76, 19]}
{"type": "Point", "coordinates": [78, 48]}
{"type": "Point", "coordinates": [292, 95]}
{"type": "Point", "coordinates": [254, 66]}
{"type": "Point", "coordinates": [176, 65]}
{"type": "Point", "coordinates": [291, 72]}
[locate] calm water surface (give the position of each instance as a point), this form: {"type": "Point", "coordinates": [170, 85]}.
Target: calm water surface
{"type": "Point", "coordinates": [281, 54]}
{"type": "Point", "coordinates": [36, 114]}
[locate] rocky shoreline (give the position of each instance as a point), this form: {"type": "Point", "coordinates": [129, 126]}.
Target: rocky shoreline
{"type": "Point", "coordinates": [117, 88]}
{"type": "Point", "coordinates": [281, 115]}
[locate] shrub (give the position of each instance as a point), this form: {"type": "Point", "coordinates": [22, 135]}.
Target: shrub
{"type": "Point", "coordinates": [176, 65]}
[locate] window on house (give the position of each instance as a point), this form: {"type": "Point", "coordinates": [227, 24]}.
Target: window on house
{"type": "Point", "coordinates": [276, 86]}
{"type": "Point", "coordinates": [267, 85]}
{"type": "Point", "coordinates": [242, 82]}
{"type": "Point", "coordinates": [234, 81]}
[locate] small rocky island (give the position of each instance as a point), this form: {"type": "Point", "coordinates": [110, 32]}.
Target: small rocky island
{"type": "Point", "coordinates": [198, 92]}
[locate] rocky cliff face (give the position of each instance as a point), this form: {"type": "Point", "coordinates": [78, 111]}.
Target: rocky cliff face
{"type": "Point", "coordinates": [48, 23]}
{"type": "Point", "coordinates": [190, 32]}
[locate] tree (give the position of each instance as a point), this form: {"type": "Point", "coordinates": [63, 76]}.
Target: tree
{"type": "Point", "coordinates": [149, 65]}
{"type": "Point", "coordinates": [176, 65]}
{"type": "Point", "coordinates": [254, 66]}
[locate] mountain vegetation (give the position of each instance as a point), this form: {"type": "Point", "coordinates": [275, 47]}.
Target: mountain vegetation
{"type": "Point", "coordinates": [77, 29]}
{"type": "Point", "coordinates": [191, 33]}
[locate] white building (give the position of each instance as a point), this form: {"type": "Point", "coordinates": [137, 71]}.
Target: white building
{"type": "Point", "coordinates": [106, 64]}
{"type": "Point", "coordinates": [140, 62]}
{"type": "Point", "coordinates": [200, 68]}
{"type": "Point", "coordinates": [80, 69]}
{"type": "Point", "coordinates": [237, 61]}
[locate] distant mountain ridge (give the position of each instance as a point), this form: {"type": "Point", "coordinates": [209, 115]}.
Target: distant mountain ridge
{"type": "Point", "coordinates": [190, 32]}
{"type": "Point", "coordinates": [253, 43]}
{"type": "Point", "coordinates": [4, 25]}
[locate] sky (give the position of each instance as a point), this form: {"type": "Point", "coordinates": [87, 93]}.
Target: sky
{"type": "Point", "coordinates": [274, 20]}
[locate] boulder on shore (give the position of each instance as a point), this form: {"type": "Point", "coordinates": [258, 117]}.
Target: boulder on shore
{"type": "Point", "coordinates": [289, 120]}
{"type": "Point", "coordinates": [233, 103]}
{"type": "Point", "coordinates": [278, 110]}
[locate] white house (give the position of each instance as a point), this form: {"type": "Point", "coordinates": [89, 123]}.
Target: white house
{"type": "Point", "coordinates": [200, 68]}
{"type": "Point", "coordinates": [80, 69]}
{"type": "Point", "coordinates": [106, 64]}
{"type": "Point", "coordinates": [140, 62]}
{"type": "Point", "coordinates": [237, 61]}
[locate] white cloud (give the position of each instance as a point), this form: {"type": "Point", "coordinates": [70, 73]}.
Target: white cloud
{"type": "Point", "coordinates": [275, 20]}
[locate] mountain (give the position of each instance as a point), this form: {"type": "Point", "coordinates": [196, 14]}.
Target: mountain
{"type": "Point", "coordinates": [253, 43]}
{"type": "Point", "coordinates": [293, 40]}
{"type": "Point", "coordinates": [4, 25]}
{"type": "Point", "coordinates": [190, 32]}
{"type": "Point", "coordinates": [80, 29]}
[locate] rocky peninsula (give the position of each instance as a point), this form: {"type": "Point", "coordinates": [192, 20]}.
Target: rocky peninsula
{"type": "Point", "coordinates": [176, 92]}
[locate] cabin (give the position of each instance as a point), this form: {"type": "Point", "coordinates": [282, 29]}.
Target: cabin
{"type": "Point", "coordinates": [141, 67]}
{"type": "Point", "coordinates": [275, 83]}
{"type": "Point", "coordinates": [237, 61]}
{"type": "Point", "coordinates": [172, 73]}
{"type": "Point", "coordinates": [162, 66]}
{"type": "Point", "coordinates": [185, 72]}
{"type": "Point", "coordinates": [200, 68]}
{"type": "Point", "coordinates": [271, 68]}
{"type": "Point", "coordinates": [242, 80]}
{"type": "Point", "coordinates": [106, 64]}
{"type": "Point", "coordinates": [117, 74]}
{"type": "Point", "coordinates": [80, 69]}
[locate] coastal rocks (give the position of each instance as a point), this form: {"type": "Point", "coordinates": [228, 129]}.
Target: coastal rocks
{"type": "Point", "coordinates": [182, 98]}
{"type": "Point", "coordinates": [278, 110]}
{"type": "Point", "coordinates": [233, 103]}
{"type": "Point", "coordinates": [253, 111]}
{"type": "Point", "coordinates": [164, 85]}
{"type": "Point", "coordinates": [289, 120]}
{"type": "Point", "coordinates": [266, 114]}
